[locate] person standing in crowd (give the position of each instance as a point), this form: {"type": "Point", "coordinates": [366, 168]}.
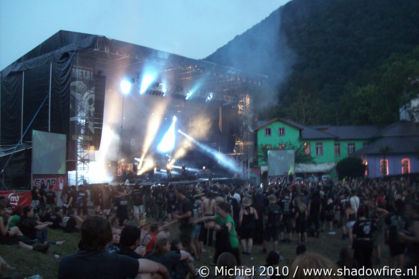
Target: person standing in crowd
{"type": "Point", "coordinates": [121, 206]}
{"type": "Point", "coordinates": [137, 203]}
{"type": "Point", "coordinates": [395, 224]}
{"type": "Point", "coordinates": [92, 261]}
{"type": "Point", "coordinates": [81, 200]}
{"type": "Point", "coordinates": [247, 224]}
{"type": "Point", "coordinates": [363, 232]}
{"type": "Point", "coordinates": [50, 198]}
{"type": "Point", "coordinates": [301, 219]}
{"type": "Point", "coordinates": [184, 214]}
{"type": "Point", "coordinates": [315, 207]}
{"type": "Point", "coordinates": [354, 202]}
{"type": "Point", "coordinates": [208, 203]}
{"type": "Point", "coordinates": [287, 211]}
{"type": "Point", "coordinates": [273, 219]}
{"type": "Point", "coordinates": [330, 214]}
{"type": "Point", "coordinates": [197, 213]}
{"type": "Point", "coordinates": [171, 202]}
{"type": "Point", "coordinates": [36, 198]}
{"type": "Point", "coordinates": [411, 235]}
{"type": "Point", "coordinates": [226, 239]}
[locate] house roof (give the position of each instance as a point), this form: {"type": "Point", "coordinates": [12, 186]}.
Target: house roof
{"type": "Point", "coordinates": [306, 132]}
{"type": "Point", "coordinates": [310, 133]}
{"type": "Point", "coordinates": [349, 132]}
{"type": "Point", "coordinates": [262, 124]}
{"type": "Point", "coordinates": [402, 128]}
{"type": "Point", "coordinates": [397, 145]}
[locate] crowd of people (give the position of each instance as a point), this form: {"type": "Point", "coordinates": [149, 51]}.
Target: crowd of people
{"type": "Point", "coordinates": [126, 230]}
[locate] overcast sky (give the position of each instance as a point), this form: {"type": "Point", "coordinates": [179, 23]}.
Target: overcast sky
{"type": "Point", "coordinates": [192, 28]}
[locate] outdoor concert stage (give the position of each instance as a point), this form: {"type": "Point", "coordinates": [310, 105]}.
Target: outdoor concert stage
{"type": "Point", "coordinates": [116, 101]}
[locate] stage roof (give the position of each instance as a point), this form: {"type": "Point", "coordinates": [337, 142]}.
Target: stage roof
{"type": "Point", "coordinates": [123, 57]}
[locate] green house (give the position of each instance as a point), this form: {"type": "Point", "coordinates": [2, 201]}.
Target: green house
{"type": "Point", "coordinates": [325, 144]}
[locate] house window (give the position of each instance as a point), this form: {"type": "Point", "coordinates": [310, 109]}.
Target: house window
{"type": "Point", "coordinates": [337, 149]}
{"type": "Point", "coordinates": [268, 132]}
{"type": "Point", "coordinates": [384, 166]}
{"type": "Point", "coordinates": [307, 148]}
{"type": "Point", "coordinates": [282, 146]}
{"type": "Point", "coordinates": [365, 163]}
{"type": "Point", "coordinates": [319, 149]}
{"type": "Point", "coordinates": [351, 148]}
{"type": "Point", "coordinates": [405, 166]}
{"type": "Point", "coordinates": [281, 132]}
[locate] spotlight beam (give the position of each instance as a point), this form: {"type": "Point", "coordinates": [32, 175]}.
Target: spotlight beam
{"type": "Point", "coordinates": [222, 159]}
{"type": "Point", "coordinates": [167, 144]}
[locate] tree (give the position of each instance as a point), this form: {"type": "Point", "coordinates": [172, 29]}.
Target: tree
{"type": "Point", "coordinates": [350, 167]}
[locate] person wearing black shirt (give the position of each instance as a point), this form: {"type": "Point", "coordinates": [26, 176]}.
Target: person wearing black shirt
{"type": "Point", "coordinates": [33, 229]}
{"type": "Point", "coordinates": [81, 201]}
{"type": "Point", "coordinates": [54, 217]}
{"type": "Point", "coordinates": [137, 201]}
{"type": "Point", "coordinates": [121, 205]}
{"type": "Point", "coordinates": [184, 215]}
{"type": "Point", "coordinates": [50, 198]}
{"type": "Point", "coordinates": [273, 218]}
{"type": "Point", "coordinates": [315, 206]}
{"type": "Point", "coordinates": [93, 262]}
{"type": "Point", "coordinates": [287, 214]}
{"type": "Point", "coordinates": [171, 202]}
{"type": "Point", "coordinates": [363, 239]}
{"type": "Point", "coordinates": [129, 241]}
{"type": "Point", "coordinates": [36, 197]}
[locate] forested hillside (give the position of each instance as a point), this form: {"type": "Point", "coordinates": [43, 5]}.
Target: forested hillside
{"type": "Point", "coordinates": [334, 61]}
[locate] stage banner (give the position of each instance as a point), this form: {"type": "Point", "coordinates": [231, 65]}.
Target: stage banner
{"type": "Point", "coordinates": [58, 181]}
{"type": "Point", "coordinates": [21, 199]}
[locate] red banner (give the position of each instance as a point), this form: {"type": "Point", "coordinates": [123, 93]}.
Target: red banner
{"type": "Point", "coordinates": [21, 199]}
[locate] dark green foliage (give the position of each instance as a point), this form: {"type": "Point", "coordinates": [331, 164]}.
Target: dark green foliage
{"type": "Point", "coordinates": [350, 167]}
{"type": "Point", "coordinates": [353, 62]}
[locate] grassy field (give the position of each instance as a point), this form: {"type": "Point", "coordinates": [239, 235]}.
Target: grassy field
{"type": "Point", "coordinates": [29, 262]}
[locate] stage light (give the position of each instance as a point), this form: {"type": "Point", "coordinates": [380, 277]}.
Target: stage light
{"type": "Point", "coordinates": [209, 97]}
{"type": "Point", "coordinates": [147, 81]}
{"type": "Point", "coordinates": [221, 158]}
{"type": "Point", "coordinates": [163, 88]}
{"type": "Point", "coordinates": [167, 144]}
{"type": "Point", "coordinates": [125, 86]}
{"type": "Point", "coordinates": [148, 165]}
{"type": "Point", "coordinates": [153, 125]}
{"type": "Point", "coordinates": [188, 95]}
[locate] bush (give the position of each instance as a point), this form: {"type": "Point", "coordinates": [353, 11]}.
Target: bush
{"type": "Point", "coordinates": [350, 167]}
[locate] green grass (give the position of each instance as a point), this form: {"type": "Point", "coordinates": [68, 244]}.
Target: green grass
{"type": "Point", "coordinates": [30, 262]}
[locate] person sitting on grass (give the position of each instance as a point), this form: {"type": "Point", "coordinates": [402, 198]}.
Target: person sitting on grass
{"type": "Point", "coordinates": [13, 235]}
{"type": "Point", "coordinates": [129, 242]}
{"type": "Point", "coordinates": [170, 259]}
{"type": "Point", "coordinates": [34, 229]}
{"type": "Point", "coordinates": [93, 262]}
